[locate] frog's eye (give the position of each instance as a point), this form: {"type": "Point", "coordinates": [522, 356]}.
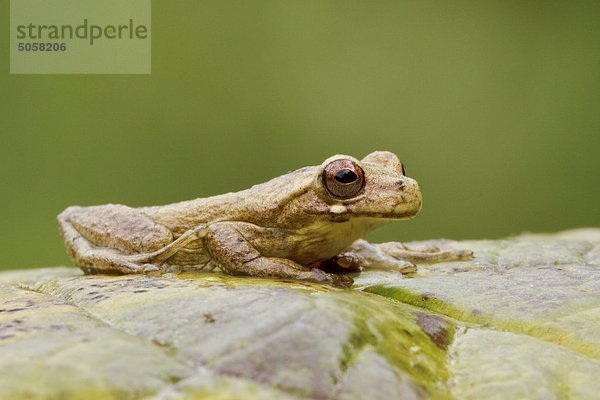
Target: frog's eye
{"type": "Point", "coordinates": [343, 178]}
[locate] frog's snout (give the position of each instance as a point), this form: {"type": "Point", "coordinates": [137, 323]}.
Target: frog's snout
{"type": "Point", "coordinates": [411, 196]}
{"type": "Point", "coordinates": [407, 185]}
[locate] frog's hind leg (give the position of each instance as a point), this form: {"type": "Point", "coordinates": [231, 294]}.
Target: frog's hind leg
{"type": "Point", "coordinates": [113, 238]}
{"type": "Point", "coordinates": [92, 259]}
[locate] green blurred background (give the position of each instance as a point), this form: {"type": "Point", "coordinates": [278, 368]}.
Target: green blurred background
{"type": "Point", "coordinates": [493, 106]}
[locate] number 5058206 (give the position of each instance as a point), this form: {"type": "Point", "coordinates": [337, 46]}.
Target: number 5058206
{"type": "Point", "coordinates": [42, 47]}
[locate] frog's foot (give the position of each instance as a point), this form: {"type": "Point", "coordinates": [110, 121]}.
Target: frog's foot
{"type": "Point", "coordinates": [396, 256]}
{"type": "Point", "coordinates": [367, 256]}
{"type": "Point", "coordinates": [110, 261]}
{"type": "Point", "coordinates": [282, 268]}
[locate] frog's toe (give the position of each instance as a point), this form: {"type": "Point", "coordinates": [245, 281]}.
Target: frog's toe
{"type": "Point", "coordinates": [461, 254]}
{"type": "Point", "coordinates": [150, 269]}
{"type": "Point", "coordinates": [349, 261]}
{"type": "Point", "coordinates": [426, 248]}
{"type": "Point", "coordinates": [342, 281]}
{"type": "Point", "coordinates": [337, 280]}
{"type": "Point", "coordinates": [405, 267]}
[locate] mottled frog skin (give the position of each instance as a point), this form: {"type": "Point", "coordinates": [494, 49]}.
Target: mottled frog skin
{"type": "Point", "coordinates": [296, 226]}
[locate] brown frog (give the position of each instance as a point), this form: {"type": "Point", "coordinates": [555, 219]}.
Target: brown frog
{"type": "Point", "coordinates": [295, 227]}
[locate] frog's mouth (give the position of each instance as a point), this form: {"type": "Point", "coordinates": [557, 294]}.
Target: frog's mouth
{"type": "Point", "coordinates": [393, 215]}
{"type": "Point", "coordinates": [375, 215]}
{"type": "Point", "coordinates": [402, 210]}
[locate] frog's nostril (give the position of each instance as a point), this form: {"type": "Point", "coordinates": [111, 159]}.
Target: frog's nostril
{"type": "Point", "coordinates": [400, 184]}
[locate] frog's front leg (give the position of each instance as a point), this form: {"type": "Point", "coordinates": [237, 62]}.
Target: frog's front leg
{"type": "Point", "coordinates": [236, 255]}
{"type": "Point", "coordinates": [424, 254]}
{"type": "Point", "coordinates": [396, 256]}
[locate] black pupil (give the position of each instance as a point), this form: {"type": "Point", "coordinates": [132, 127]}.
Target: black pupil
{"type": "Point", "coordinates": [345, 176]}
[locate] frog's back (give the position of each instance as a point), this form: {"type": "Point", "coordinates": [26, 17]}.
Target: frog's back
{"type": "Point", "coordinates": [258, 204]}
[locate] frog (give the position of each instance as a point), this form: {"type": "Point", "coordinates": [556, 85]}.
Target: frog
{"type": "Point", "coordinates": [307, 225]}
